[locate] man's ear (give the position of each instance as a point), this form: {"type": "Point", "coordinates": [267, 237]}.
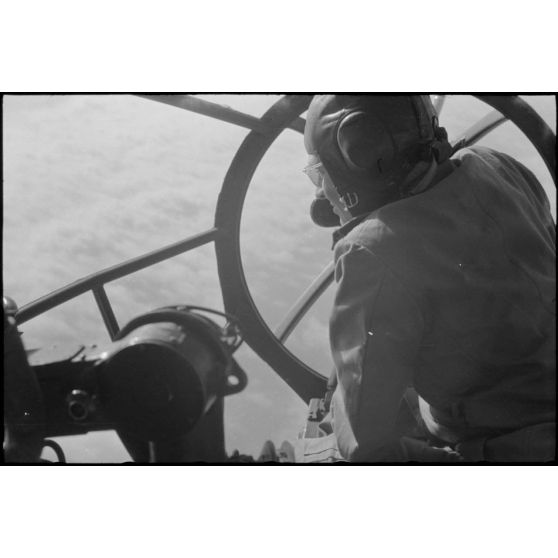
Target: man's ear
{"type": "Point", "coordinates": [365, 143]}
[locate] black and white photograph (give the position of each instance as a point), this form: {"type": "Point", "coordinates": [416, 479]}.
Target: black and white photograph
{"type": "Point", "coordinates": [250, 279]}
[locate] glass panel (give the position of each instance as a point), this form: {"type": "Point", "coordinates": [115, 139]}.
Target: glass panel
{"type": "Point", "coordinates": [189, 278]}
{"type": "Point", "coordinates": [266, 410]}
{"type": "Point", "coordinates": [282, 250]}
{"type": "Point", "coordinates": [90, 181]}
{"type": "Point", "coordinates": [77, 321]}
{"type": "Point", "coordinates": [310, 340]}
{"type": "Point", "coordinates": [461, 112]}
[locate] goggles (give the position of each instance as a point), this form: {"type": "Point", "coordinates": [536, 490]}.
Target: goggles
{"type": "Point", "coordinates": [315, 173]}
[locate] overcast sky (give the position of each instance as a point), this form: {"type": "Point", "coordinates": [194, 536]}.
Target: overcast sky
{"type": "Point", "coordinates": [92, 180]}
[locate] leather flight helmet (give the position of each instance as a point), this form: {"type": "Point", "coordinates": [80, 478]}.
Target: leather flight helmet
{"type": "Point", "coordinates": [370, 143]}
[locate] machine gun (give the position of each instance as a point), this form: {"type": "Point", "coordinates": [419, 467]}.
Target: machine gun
{"type": "Point", "coordinates": [160, 384]}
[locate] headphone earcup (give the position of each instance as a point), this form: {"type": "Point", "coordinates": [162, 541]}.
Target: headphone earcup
{"type": "Point", "coordinates": [365, 143]}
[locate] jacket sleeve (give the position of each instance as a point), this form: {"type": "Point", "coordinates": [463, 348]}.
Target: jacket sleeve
{"type": "Point", "coordinates": [375, 331]}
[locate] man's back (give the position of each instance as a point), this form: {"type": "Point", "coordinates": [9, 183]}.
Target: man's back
{"type": "Point", "coordinates": [476, 254]}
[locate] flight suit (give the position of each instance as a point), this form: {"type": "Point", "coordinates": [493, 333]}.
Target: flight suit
{"type": "Point", "coordinates": [450, 292]}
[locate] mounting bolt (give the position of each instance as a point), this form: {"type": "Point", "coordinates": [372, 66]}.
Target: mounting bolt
{"type": "Point", "coordinates": [9, 305]}
{"type": "Point", "coordinates": [79, 405]}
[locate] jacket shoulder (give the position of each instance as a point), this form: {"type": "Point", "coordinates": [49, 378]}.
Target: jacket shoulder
{"type": "Point", "coordinates": [369, 234]}
{"type": "Point", "coordinates": [508, 167]}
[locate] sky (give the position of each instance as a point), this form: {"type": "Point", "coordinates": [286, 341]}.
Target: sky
{"type": "Point", "coordinates": [90, 181]}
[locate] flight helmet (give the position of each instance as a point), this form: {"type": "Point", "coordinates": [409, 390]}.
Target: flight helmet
{"type": "Point", "coordinates": [368, 144]}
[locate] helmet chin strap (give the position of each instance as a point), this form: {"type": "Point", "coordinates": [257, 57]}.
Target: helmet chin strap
{"type": "Point", "coordinates": [349, 200]}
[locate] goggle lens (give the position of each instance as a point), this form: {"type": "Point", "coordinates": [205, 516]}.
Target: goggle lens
{"type": "Point", "coordinates": [315, 173]}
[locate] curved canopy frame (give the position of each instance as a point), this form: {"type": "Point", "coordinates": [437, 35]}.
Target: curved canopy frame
{"type": "Point", "coordinates": [306, 382]}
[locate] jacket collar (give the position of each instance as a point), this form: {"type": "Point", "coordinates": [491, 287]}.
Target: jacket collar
{"type": "Point", "coordinates": [343, 231]}
{"type": "Point", "coordinates": [441, 173]}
